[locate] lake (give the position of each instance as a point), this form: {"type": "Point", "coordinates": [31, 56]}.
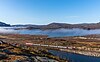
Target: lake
{"type": "Point", "coordinates": [51, 33]}
{"type": "Point", "coordinates": [74, 57]}
{"type": "Point", "coordinates": [59, 32]}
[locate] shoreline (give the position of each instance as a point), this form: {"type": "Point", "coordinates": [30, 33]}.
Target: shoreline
{"type": "Point", "coordinates": [65, 49]}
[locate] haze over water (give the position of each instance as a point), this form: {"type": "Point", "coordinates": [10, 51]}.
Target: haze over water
{"type": "Point", "coordinates": [51, 33]}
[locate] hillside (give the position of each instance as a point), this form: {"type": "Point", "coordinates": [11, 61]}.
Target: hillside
{"type": "Point", "coordinates": [4, 24]}
{"type": "Point", "coordinates": [66, 26]}
{"type": "Point", "coordinates": [87, 26]}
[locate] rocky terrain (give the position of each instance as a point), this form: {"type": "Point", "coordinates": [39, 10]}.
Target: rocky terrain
{"type": "Point", "coordinates": [19, 52]}
{"type": "Point", "coordinates": [86, 45]}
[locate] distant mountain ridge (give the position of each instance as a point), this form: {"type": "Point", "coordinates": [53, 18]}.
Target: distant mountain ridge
{"type": "Point", "coordinates": [87, 26]}
{"type": "Point", "coordinates": [2, 24]}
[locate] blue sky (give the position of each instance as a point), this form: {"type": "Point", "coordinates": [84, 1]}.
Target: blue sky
{"type": "Point", "coordinates": [48, 11]}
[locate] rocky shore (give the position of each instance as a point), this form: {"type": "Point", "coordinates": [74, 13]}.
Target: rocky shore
{"type": "Point", "coordinates": [18, 53]}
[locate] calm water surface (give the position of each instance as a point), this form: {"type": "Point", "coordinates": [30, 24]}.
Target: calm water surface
{"type": "Point", "coordinates": [60, 32]}
{"type": "Point", "coordinates": [74, 57]}
{"type": "Point", "coordinates": [51, 33]}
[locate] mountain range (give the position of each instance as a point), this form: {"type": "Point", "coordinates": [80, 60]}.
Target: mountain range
{"type": "Point", "coordinates": [87, 26]}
